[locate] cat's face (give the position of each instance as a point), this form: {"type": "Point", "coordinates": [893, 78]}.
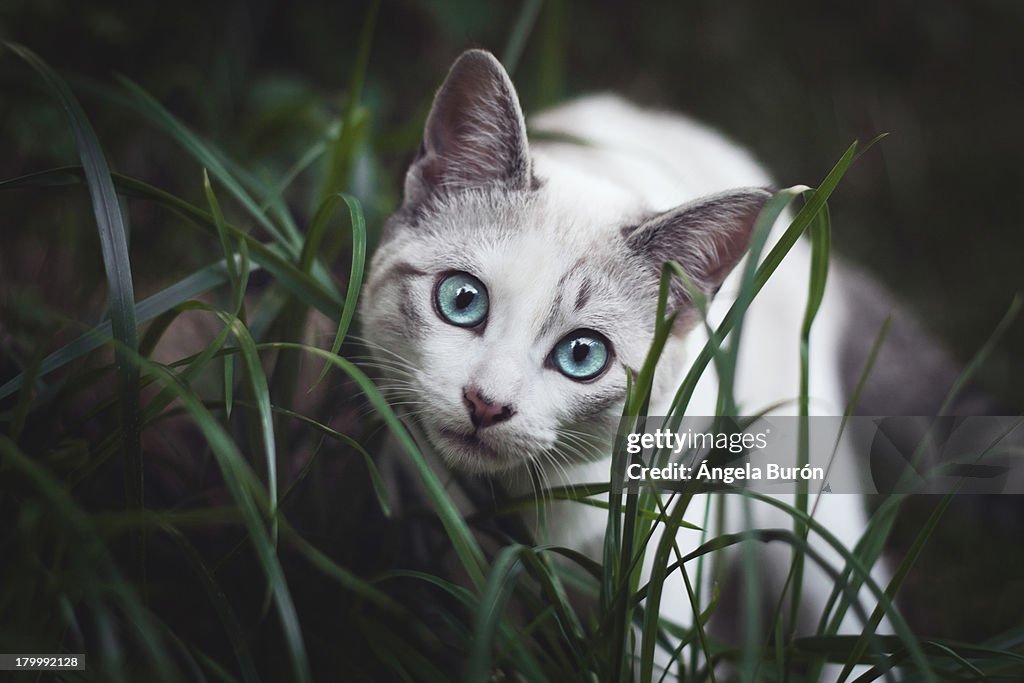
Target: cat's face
{"type": "Point", "coordinates": [514, 330]}
{"type": "Point", "coordinates": [507, 317]}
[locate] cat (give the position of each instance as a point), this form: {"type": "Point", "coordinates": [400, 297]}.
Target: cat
{"type": "Point", "coordinates": [517, 284]}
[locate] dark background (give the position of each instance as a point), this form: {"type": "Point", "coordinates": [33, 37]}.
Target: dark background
{"type": "Point", "coordinates": [933, 210]}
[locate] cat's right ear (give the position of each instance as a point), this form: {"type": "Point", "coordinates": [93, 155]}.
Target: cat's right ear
{"type": "Point", "coordinates": [707, 237]}
{"type": "Point", "coordinates": [475, 135]}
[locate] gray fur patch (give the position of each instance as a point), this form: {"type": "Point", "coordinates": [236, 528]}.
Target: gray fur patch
{"type": "Point", "coordinates": [410, 310]}
{"type": "Point", "coordinates": [583, 295]}
{"type": "Point", "coordinates": [395, 273]}
{"type": "Point", "coordinates": [912, 374]}
{"type": "Point", "coordinates": [595, 405]}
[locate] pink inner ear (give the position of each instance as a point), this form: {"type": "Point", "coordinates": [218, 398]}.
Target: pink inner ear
{"type": "Point", "coordinates": [732, 243]}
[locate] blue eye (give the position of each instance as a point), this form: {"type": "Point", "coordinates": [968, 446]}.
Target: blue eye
{"type": "Point", "coordinates": [581, 355]}
{"type": "Point", "coordinates": [461, 300]}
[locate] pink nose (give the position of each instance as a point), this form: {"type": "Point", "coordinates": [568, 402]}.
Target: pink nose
{"type": "Point", "coordinates": [484, 412]}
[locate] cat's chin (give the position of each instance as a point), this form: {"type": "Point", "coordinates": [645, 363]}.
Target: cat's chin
{"type": "Point", "coordinates": [467, 452]}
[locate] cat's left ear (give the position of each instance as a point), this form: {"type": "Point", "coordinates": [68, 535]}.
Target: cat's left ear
{"type": "Point", "coordinates": [706, 237]}
{"type": "Point", "coordinates": [475, 135]}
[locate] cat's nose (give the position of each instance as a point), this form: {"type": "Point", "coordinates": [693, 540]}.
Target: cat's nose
{"type": "Point", "coordinates": [483, 411]}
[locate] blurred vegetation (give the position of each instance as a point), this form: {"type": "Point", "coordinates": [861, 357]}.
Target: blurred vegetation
{"type": "Point", "coordinates": [932, 211]}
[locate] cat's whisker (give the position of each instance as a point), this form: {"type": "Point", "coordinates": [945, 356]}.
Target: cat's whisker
{"type": "Point", "coordinates": [399, 362]}
{"type": "Point", "coordinates": [400, 388]}
{"type": "Point", "coordinates": [557, 468]}
{"type": "Point", "coordinates": [387, 368]}
{"type": "Point", "coordinates": [372, 344]}
{"type": "Point", "coordinates": [533, 474]}
{"type": "Point", "coordinates": [546, 487]}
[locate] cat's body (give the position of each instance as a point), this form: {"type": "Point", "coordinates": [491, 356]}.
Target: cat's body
{"type": "Point", "coordinates": [565, 238]}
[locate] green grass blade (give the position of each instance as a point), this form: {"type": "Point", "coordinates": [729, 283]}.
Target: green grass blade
{"type": "Point", "coordinates": [727, 361]}
{"type": "Point", "coordinates": [232, 628]}
{"type": "Point", "coordinates": [355, 276]}
{"type": "Point", "coordinates": [345, 578]}
{"type": "Point", "coordinates": [301, 285]}
{"type": "Point", "coordinates": [863, 577]}
{"type": "Point", "coordinates": [261, 392]}
{"type": "Point", "coordinates": [149, 107]}
{"type": "Point", "coordinates": [234, 273]}
{"type": "Point", "coordinates": [495, 595]}
{"type": "Point", "coordinates": [238, 274]}
{"type": "Point", "coordinates": [271, 199]}
{"type": "Point", "coordinates": [379, 489]}
{"type": "Point", "coordinates": [820, 235]}
{"type": "Point", "coordinates": [520, 33]}
{"type": "Point", "coordinates": [341, 154]}
{"type": "Point", "coordinates": [114, 245]}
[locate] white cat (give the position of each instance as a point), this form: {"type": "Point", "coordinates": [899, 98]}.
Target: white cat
{"type": "Point", "coordinates": [518, 282]}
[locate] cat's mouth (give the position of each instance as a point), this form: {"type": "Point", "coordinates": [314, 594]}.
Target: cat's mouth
{"type": "Point", "coordinates": [469, 444]}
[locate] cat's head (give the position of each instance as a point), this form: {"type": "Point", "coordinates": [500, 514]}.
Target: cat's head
{"type": "Point", "coordinates": [507, 314]}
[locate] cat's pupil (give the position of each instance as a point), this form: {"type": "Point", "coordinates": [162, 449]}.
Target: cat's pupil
{"type": "Point", "coordinates": [464, 298]}
{"type": "Point", "coordinates": [580, 351]}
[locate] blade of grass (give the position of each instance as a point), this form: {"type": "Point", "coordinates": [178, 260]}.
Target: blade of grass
{"type": "Point", "coordinates": [900, 575]}
{"type": "Point", "coordinates": [341, 154]}
{"type": "Point", "coordinates": [521, 30]}
{"type": "Point", "coordinates": [149, 107]}
{"type": "Point", "coordinates": [379, 489]}
{"type": "Point", "coordinates": [553, 39]}
{"type": "Point", "coordinates": [261, 392]}
{"type": "Point", "coordinates": [820, 235]}
{"type": "Point", "coordinates": [863, 577]}
{"type": "Point", "coordinates": [495, 595]}
{"type": "Point", "coordinates": [238, 274]}
{"type": "Point", "coordinates": [232, 628]}
{"type": "Point", "coordinates": [622, 570]}
{"type": "Point", "coordinates": [355, 276]}
{"type": "Point", "coordinates": [114, 246]}
{"type": "Point", "coordinates": [726, 364]}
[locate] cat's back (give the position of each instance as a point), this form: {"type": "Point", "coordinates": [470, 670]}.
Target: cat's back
{"type": "Point", "coordinates": [660, 159]}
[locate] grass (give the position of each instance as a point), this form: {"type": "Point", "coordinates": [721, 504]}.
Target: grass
{"type": "Point", "coordinates": [219, 515]}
